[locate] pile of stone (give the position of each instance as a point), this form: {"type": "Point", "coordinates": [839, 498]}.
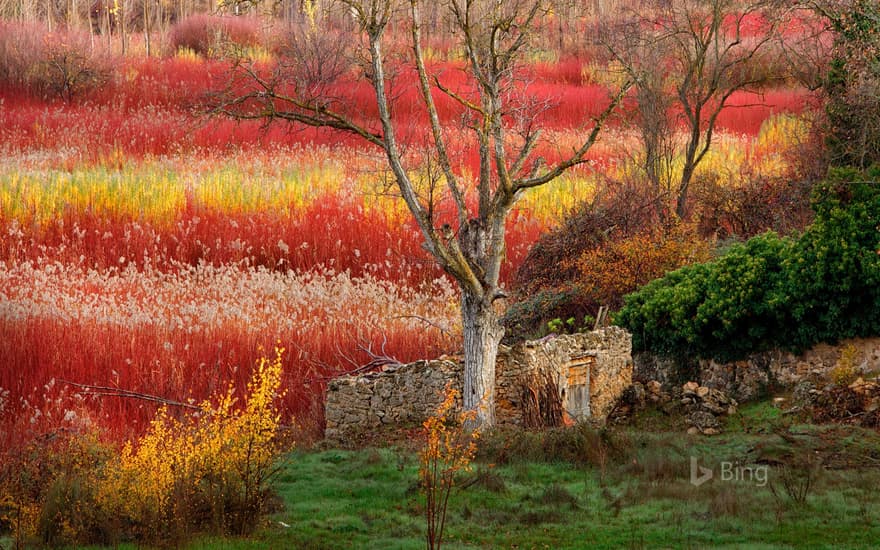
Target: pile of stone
{"type": "Point", "coordinates": [654, 393]}
{"type": "Point", "coordinates": [637, 397]}
{"type": "Point", "coordinates": [856, 403]}
{"type": "Point", "coordinates": [705, 407]}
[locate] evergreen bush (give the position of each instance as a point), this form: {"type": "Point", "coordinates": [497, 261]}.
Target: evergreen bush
{"type": "Point", "coordinates": [772, 292]}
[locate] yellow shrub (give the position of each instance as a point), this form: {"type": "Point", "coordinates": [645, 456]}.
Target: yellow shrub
{"type": "Point", "coordinates": [216, 468]}
{"type": "Point", "coordinates": [844, 372]}
{"type": "Point", "coordinates": [18, 517]}
{"type": "Point", "coordinates": [449, 448]}
{"type": "Point", "coordinates": [616, 268]}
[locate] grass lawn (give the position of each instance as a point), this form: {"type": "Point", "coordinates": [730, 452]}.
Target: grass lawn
{"type": "Point", "coordinates": [555, 490]}
{"type": "Point", "coordinates": [528, 498]}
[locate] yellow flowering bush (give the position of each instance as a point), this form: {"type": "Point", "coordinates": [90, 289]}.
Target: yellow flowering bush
{"type": "Point", "coordinates": [209, 471]}
{"type": "Point", "coordinates": [213, 471]}
{"type": "Point", "coordinates": [845, 371]}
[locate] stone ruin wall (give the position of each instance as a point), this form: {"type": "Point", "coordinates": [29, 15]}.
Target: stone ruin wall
{"type": "Point", "coordinates": [603, 358]}
{"type": "Point", "coordinates": [402, 395]}
{"type": "Point", "coordinates": [398, 395]}
{"type": "Point", "coordinates": [752, 377]}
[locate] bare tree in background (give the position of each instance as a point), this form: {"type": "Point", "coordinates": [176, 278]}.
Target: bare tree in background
{"type": "Point", "coordinates": [852, 81]}
{"type": "Point", "coordinates": [688, 57]}
{"type": "Point", "coordinates": [494, 37]}
{"type": "Point", "coordinates": [808, 53]}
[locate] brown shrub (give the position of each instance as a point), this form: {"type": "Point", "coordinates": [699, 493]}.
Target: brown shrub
{"type": "Point", "coordinates": [207, 34]}
{"type": "Point", "coordinates": [57, 64]}
{"type": "Point", "coordinates": [623, 209]}
{"type": "Point", "coordinates": [580, 445]}
{"type": "Point", "coordinates": [607, 273]}
{"type": "Point", "coordinates": [547, 284]}
{"type": "Point", "coordinates": [726, 210]}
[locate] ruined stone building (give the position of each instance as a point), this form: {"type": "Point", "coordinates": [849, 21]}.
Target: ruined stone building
{"type": "Point", "coordinates": [568, 378]}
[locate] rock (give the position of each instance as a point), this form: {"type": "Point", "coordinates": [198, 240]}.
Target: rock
{"type": "Point", "coordinates": [703, 420]}
{"type": "Point", "coordinates": [654, 392]}
{"type": "Point", "coordinates": [717, 409]}
{"type": "Point", "coordinates": [744, 380]}
{"type": "Point", "coordinates": [638, 393]}
{"type": "Point", "coordinates": [717, 402]}
{"type": "Point", "coordinates": [804, 394]}
{"type": "Point", "coordinates": [693, 430]}
{"type": "Point", "coordinates": [858, 384]}
{"type": "Point", "coordinates": [760, 373]}
{"type": "Point", "coordinates": [690, 387]}
{"type": "Point", "coordinates": [705, 406]}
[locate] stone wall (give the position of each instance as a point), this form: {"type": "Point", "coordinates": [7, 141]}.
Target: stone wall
{"type": "Point", "coordinates": [590, 371]}
{"type": "Point", "coordinates": [761, 373]}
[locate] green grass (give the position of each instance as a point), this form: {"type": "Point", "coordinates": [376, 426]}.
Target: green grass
{"type": "Point", "coordinates": [370, 499]}
{"type": "Point", "coordinates": [520, 494]}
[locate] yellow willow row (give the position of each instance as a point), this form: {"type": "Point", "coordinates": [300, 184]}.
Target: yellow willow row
{"type": "Point", "coordinates": [195, 299]}
{"type": "Point", "coordinates": [159, 191]}
{"type": "Point", "coordinates": [617, 156]}
{"type": "Point", "coordinates": [284, 180]}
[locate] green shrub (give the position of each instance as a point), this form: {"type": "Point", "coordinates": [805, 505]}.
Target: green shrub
{"type": "Point", "coordinates": [772, 292]}
{"type": "Point", "coordinates": [720, 309]}
{"type": "Point", "coordinates": [834, 270]}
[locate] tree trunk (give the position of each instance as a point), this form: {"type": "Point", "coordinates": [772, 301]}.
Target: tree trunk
{"type": "Point", "coordinates": [146, 9]}
{"type": "Point", "coordinates": [120, 19]}
{"type": "Point", "coordinates": [681, 201]}
{"type": "Point", "coordinates": [482, 335]}
{"type": "Point", "coordinates": [690, 164]}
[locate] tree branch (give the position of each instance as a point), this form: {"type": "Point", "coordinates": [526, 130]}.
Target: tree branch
{"type": "Point", "coordinates": [107, 391]}
{"type": "Point", "coordinates": [578, 156]}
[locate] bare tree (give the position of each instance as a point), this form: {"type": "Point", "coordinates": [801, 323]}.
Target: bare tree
{"type": "Point", "coordinates": [471, 248]}
{"type": "Point", "coordinates": [688, 56]}
{"type": "Point", "coordinates": [852, 81]}
{"type": "Point", "coordinates": [808, 53]}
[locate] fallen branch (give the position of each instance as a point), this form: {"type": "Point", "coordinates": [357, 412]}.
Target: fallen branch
{"type": "Point", "coordinates": [427, 321]}
{"type": "Point", "coordinates": [107, 391]}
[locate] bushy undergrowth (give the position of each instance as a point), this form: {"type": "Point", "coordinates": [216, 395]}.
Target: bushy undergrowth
{"type": "Point", "coordinates": [50, 65]}
{"type": "Point", "coordinates": [726, 210]}
{"type": "Point", "coordinates": [607, 273]}
{"type": "Point", "coordinates": [602, 252]}
{"type": "Point", "coordinates": [211, 472]}
{"type": "Point", "coordinates": [581, 445]}
{"type": "Point", "coordinates": [206, 35]}
{"type": "Point", "coordinates": [772, 292]}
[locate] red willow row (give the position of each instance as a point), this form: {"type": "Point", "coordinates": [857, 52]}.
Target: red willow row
{"type": "Point", "coordinates": [147, 110]}
{"type": "Point", "coordinates": [127, 366]}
